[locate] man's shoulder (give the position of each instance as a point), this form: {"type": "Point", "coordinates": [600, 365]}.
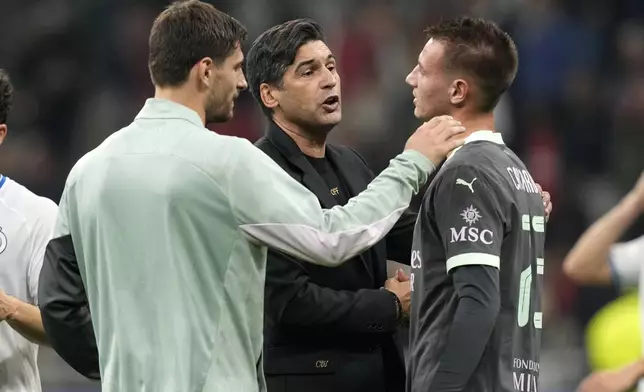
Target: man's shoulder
{"type": "Point", "coordinates": [347, 156]}
{"type": "Point", "coordinates": [217, 154]}
{"type": "Point", "coordinates": [190, 150]}
{"type": "Point", "coordinates": [33, 208]}
{"type": "Point", "coordinates": [478, 153]}
{"type": "Point", "coordinates": [485, 159]}
{"type": "Point", "coordinates": [264, 143]}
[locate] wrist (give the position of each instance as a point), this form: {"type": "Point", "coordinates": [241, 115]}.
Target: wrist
{"type": "Point", "coordinates": [634, 203]}
{"type": "Point", "coordinates": [13, 308]}
{"type": "Point", "coordinates": [397, 304]}
{"type": "Point", "coordinates": [420, 159]}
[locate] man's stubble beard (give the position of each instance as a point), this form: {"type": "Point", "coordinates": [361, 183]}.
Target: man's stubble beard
{"type": "Point", "coordinates": [217, 110]}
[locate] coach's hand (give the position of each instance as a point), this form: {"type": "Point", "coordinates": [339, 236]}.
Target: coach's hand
{"type": "Point", "coordinates": [402, 291]}
{"type": "Point", "coordinates": [547, 202]}
{"type": "Point", "coordinates": [436, 138]}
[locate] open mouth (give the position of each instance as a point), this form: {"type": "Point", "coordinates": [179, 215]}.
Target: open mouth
{"type": "Point", "coordinates": [331, 100]}
{"type": "Point", "coordinates": [331, 103]}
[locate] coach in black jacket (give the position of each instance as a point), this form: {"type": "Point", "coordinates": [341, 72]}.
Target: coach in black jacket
{"type": "Point", "coordinates": [326, 329]}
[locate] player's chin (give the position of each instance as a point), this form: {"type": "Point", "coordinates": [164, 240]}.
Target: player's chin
{"type": "Point", "coordinates": [420, 113]}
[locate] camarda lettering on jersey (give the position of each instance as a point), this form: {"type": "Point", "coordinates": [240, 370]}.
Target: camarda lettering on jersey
{"type": "Point", "coordinates": [522, 180]}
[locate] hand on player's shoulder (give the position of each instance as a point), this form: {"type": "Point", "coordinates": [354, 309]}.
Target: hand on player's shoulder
{"type": "Point", "coordinates": [436, 138]}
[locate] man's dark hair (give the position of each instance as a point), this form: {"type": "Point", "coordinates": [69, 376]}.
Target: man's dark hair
{"type": "Point", "coordinates": [186, 32]}
{"type": "Point", "coordinates": [275, 50]}
{"type": "Point", "coordinates": [6, 96]}
{"type": "Point", "coordinates": [482, 50]}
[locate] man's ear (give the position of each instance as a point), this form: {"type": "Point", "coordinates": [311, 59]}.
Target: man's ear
{"type": "Point", "coordinates": [3, 132]}
{"type": "Point", "coordinates": [203, 69]}
{"type": "Point", "coordinates": [269, 95]}
{"type": "Point", "coordinates": [458, 92]}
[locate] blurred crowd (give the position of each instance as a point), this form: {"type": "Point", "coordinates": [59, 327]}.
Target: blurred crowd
{"type": "Point", "coordinates": [575, 113]}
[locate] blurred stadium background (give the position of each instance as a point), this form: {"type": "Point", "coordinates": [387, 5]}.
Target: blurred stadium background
{"type": "Point", "coordinates": [575, 113]}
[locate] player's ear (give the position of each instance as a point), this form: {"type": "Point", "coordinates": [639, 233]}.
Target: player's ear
{"type": "Point", "coordinates": [458, 92]}
{"type": "Point", "coordinates": [3, 132]}
{"type": "Point", "coordinates": [269, 95]}
{"type": "Point", "coordinates": [204, 72]}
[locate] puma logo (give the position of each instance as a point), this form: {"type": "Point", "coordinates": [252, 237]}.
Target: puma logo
{"type": "Point", "coordinates": [467, 184]}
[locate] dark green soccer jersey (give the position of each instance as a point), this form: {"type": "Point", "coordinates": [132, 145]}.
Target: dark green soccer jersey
{"type": "Point", "coordinates": [482, 209]}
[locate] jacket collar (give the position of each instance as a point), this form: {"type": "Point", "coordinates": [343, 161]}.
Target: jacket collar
{"type": "Point", "coordinates": [310, 177]}
{"type": "Point", "coordinates": [156, 108]}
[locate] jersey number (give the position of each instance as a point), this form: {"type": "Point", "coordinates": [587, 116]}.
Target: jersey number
{"type": "Point", "coordinates": [525, 291]}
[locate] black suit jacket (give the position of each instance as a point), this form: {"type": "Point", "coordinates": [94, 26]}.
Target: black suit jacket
{"type": "Point", "coordinates": [332, 328]}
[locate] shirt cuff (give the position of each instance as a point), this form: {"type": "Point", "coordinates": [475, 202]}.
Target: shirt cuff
{"type": "Point", "coordinates": [418, 159]}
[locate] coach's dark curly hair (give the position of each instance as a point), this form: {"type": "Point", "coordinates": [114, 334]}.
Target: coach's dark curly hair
{"type": "Point", "coordinates": [6, 96]}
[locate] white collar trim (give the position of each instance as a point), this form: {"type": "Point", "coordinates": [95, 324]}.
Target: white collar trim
{"type": "Point", "coordinates": [482, 135]}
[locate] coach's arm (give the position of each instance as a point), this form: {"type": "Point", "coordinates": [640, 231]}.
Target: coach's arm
{"type": "Point", "coordinates": [400, 237]}
{"type": "Point", "coordinates": [65, 310]}
{"type": "Point", "coordinates": [596, 258]}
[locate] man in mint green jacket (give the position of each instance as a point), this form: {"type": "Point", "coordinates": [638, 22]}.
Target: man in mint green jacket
{"type": "Point", "coordinates": [163, 228]}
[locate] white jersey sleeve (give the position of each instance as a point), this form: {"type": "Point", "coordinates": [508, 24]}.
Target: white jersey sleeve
{"type": "Point", "coordinates": [42, 232]}
{"type": "Point", "coordinates": [625, 259]}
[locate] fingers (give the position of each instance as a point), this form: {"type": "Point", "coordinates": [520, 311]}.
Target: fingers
{"type": "Point", "coordinates": [547, 203]}
{"type": "Point", "coordinates": [455, 130]}
{"type": "Point", "coordinates": [451, 128]}
{"type": "Point", "coordinates": [437, 120]}
{"type": "Point", "coordinates": [400, 275]}
{"type": "Point", "coordinates": [548, 210]}
{"type": "Point", "coordinates": [455, 143]}
{"type": "Point", "coordinates": [539, 188]}
{"type": "Point", "coordinates": [445, 124]}
{"type": "Point", "coordinates": [546, 197]}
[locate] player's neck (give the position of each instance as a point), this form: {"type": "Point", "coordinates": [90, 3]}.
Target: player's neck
{"type": "Point", "coordinates": [183, 97]}
{"type": "Point", "coordinates": [312, 144]}
{"type": "Point", "coordinates": [474, 123]}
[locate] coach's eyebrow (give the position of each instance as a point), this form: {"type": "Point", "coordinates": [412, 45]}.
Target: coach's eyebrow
{"type": "Point", "coordinates": [304, 64]}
